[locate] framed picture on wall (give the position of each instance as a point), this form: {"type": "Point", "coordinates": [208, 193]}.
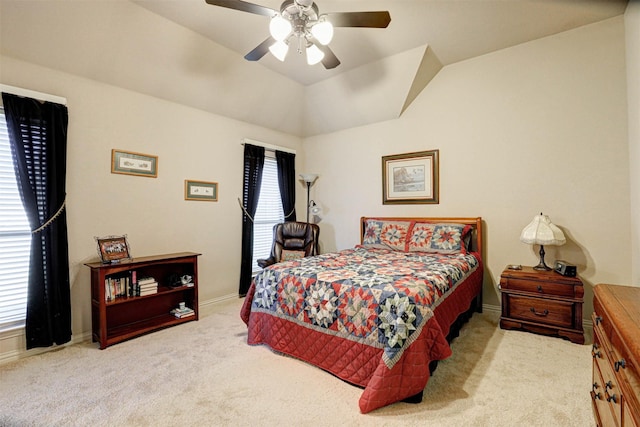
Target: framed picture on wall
{"type": "Point", "coordinates": [130, 163]}
{"type": "Point", "coordinates": [200, 190]}
{"type": "Point", "coordinates": [410, 178]}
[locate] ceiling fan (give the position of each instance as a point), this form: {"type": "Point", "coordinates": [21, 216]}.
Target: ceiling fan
{"type": "Point", "coordinates": [298, 21]}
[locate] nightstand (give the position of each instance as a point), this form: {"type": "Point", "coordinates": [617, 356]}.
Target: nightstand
{"type": "Point", "coordinates": [543, 302]}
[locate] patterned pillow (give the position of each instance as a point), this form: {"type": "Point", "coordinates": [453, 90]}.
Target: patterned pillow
{"type": "Point", "coordinates": [386, 234]}
{"type": "Point", "coordinates": [438, 238]}
{"type": "Point", "coordinates": [288, 255]}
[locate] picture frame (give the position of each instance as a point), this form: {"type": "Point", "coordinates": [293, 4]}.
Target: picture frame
{"type": "Point", "coordinates": [130, 163]}
{"type": "Point", "coordinates": [113, 249]}
{"type": "Point", "coordinates": [200, 190]}
{"type": "Point", "coordinates": [411, 178]}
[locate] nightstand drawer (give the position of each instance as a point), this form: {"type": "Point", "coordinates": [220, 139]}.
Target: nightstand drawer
{"type": "Point", "coordinates": [537, 287]}
{"type": "Point", "coordinates": [549, 312]}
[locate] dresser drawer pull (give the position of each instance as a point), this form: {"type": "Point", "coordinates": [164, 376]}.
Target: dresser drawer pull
{"type": "Point", "coordinates": [595, 386]}
{"type": "Point", "coordinates": [598, 320]}
{"type": "Point", "coordinates": [543, 314]}
{"type": "Point", "coordinates": [540, 288]}
{"type": "Point", "coordinates": [620, 364]}
{"type": "Point", "coordinates": [612, 398]}
{"type": "Point", "coordinates": [597, 396]}
{"type": "Point", "coordinates": [608, 385]}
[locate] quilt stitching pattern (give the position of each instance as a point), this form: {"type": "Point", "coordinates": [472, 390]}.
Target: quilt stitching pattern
{"type": "Point", "coordinates": [382, 298]}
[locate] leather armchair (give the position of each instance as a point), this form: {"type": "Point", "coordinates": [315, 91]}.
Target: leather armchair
{"type": "Point", "coordinates": [292, 240]}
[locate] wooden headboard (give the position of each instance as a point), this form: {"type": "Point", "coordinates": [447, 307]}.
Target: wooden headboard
{"type": "Point", "coordinates": [475, 223]}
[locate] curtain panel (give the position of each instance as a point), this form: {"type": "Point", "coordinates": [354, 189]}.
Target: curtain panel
{"type": "Point", "coordinates": [253, 165]}
{"type": "Point", "coordinates": [287, 183]}
{"type": "Point", "coordinates": [38, 139]}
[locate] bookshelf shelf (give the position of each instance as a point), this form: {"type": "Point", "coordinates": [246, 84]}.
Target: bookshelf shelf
{"type": "Point", "coordinates": [119, 318]}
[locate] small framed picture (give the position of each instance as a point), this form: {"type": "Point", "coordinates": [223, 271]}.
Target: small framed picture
{"type": "Point", "coordinates": [200, 190]}
{"type": "Point", "coordinates": [113, 249]}
{"type": "Point", "coordinates": [410, 178]}
{"type": "Point", "coordinates": [129, 163]}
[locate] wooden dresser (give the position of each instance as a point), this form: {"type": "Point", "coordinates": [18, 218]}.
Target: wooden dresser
{"type": "Point", "coordinates": [543, 302]}
{"type": "Point", "coordinates": [615, 391]}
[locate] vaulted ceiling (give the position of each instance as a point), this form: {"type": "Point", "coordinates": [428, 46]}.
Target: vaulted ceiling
{"type": "Point", "coordinates": [190, 52]}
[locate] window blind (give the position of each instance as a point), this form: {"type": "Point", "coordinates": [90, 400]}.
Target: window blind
{"type": "Point", "coordinates": [15, 240]}
{"type": "Point", "coordinates": [268, 213]}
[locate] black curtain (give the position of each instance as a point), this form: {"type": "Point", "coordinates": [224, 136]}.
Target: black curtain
{"type": "Point", "coordinates": [287, 183]}
{"type": "Point", "coordinates": [38, 139]}
{"type": "Point", "coordinates": [253, 165]}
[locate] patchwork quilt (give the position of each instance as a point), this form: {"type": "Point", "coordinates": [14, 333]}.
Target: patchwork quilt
{"type": "Point", "coordinates": [373, 317]}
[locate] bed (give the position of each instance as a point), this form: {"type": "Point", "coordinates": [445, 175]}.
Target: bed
{"type": "Point", "coordinates": [379, 315]}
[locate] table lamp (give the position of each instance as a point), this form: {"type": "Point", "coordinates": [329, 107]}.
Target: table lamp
{"type": "Point", "coordinates": [541, 231]}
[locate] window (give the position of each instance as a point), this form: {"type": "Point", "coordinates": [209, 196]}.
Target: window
{"type": "Point", "coordinates": [15, 240]}
{"type": "Point", "coordinates": [268, 213]}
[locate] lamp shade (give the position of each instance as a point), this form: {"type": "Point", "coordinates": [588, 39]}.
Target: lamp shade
{"type": "Point", "coordinates": [314, 55]}
{"type": "Point", "coordinates": [279, 28]}
{"type": "Point", "coordinates": [541, 231]}
{"type": "Point", "coordinates": [279, 49]}
{"type": "Point", "coordinates": [315, 209]}
{"type": "Point", "coordinates": [323, 31]}
{"type": "Point", "coordinates": [309, 177]}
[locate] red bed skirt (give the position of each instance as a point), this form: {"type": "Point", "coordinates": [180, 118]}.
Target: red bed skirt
{"type": "Point", "coordinates": [361, 364]}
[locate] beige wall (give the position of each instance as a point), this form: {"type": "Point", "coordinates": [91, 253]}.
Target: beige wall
{"type": "Point", "coordinates": [632, 32]}
{"type": "Point", "coordinates": [537, 127]}
{"type": "Point", "coordinates": [189, 143]}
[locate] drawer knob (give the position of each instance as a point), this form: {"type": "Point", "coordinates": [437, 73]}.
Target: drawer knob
{"type": "Point", "coordinates": [539, 288]}
{"type": "Point", "coordinates": [620, 364]}
{"type": "Point", "coordinates": [544, 313]}
{"type": "Point", "coordinates": [598, 320]}
{"type": "Point", "coordinates": [597, 396]}
{"type": "Point", "coordinates": [595, 386]}
{"type": "Point", "coordinates": [595, 352]}
{"type": "Point", "coordinates": [608, 385]}
{"type": "Point", "coordinates": [612, 398]}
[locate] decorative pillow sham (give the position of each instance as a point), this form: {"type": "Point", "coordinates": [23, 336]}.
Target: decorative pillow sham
{"type": "Point", "coordinates": [288, 255]}
{"type": "Point", "coordinates": [438, 238]}
{"type": "Point", "coordinates": [386, 234]}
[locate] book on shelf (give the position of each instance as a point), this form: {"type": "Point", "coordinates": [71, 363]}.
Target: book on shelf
{"type": "Point", "coordinates": [153, 285]}
{"type": "Point", "coordinates": [183, 312]}
{"type": "Point", "coordinates": [148, 292]}
{"type": "Point", "coordinates": [116, 287]}
{"type": "Point", "coordinates": [145, 280]}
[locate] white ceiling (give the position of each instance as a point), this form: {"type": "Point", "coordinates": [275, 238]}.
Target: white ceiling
{"type": "Point", "coordinates": [454, 29]}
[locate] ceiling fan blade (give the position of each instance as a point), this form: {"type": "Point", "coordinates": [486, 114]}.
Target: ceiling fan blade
{"type": "Point", "coordinates": [261, 50]}
{"type": "Point", "coordinates": [330, 59]}
{"type": "Point", "coordinates": [244, 7]}
{"type": "Point", "coordinates": [379, 19]}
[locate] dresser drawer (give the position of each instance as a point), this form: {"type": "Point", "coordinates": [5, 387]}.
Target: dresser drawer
{"type": "Point", "coordinates": [549, 312]}
{"type": "Point", "coordinates": [538, 287]}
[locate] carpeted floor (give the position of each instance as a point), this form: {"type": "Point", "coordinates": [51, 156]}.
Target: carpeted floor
{"type": "Point", "coordinates": [204, 374]}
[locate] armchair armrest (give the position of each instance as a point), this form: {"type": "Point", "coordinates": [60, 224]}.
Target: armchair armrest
{"type": "Point", "coordinates": [264, 263]}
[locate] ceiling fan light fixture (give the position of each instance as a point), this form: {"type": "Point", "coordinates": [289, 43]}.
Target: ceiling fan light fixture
{"type": "Point", "coordinates": [323, 31]}
{"type": "Point", "coordinates": [279, 27]}
{"type": "Point", "coordinates": [314, 55]}
{"type": "Point", "coordinates": [279, 49]}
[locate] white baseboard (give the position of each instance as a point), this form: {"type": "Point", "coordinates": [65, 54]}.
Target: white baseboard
{"type": "Point", "coordinates": [13, 343]}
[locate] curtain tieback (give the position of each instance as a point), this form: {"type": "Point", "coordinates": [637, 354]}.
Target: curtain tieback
{"type": "Point", "coordinates": [244, 210]}
{"type": "Point", "coordinates": [53, 218]}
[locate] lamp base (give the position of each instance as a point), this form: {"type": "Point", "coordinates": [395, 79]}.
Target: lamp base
{"type": "Point", "coordinates": [541, 265]}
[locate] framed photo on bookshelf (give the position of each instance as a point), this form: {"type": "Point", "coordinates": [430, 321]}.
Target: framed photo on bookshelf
{"type": "Point", "coordinates": [113, 249]}
{"type": "Point", "coordinates": [200, 190]}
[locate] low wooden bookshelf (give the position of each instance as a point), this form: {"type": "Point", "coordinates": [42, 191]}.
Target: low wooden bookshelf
{"type": "Point", "coordinates": [120, 315]}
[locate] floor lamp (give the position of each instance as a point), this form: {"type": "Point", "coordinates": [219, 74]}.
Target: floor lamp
{"type": "Point", "coordinates": [308, 178]}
